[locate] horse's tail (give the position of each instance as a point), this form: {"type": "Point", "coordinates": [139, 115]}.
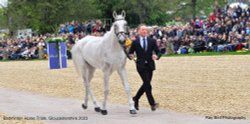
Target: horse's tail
{"type": "Point", "coordinates": [77, 59]}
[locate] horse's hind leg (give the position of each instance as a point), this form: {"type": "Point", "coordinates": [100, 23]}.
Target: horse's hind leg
{"type": "Point", "coordinates": [84, 69]}
{"type": "Point", "coordinates": [81, 67]}
{"type": "Point", "coordinates": [87, 76]}
{"type": "Point", "coordinates": [90, 76]}
{"type": "Point", "coordinates": [86, 85]}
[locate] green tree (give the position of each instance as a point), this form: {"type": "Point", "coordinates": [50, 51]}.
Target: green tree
{"type": "Point", "coordinates": [3, 19]}
{"type": "Point", "coordinates": [138, 11]}
{"type": "Point", "coordinates": [190, 9]}
{"type": "Point", "coordinates": [45, 16]}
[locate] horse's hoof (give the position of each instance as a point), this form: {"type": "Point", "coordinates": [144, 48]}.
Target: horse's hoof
{"type": "Point", "coordinates": [133, 112]}
{"type": "Point", "coordinates": [84, 106]}
{"type": "Point", "coordinates": [97, 109]}
{"type": "Point", "coordinates": [104, 112]}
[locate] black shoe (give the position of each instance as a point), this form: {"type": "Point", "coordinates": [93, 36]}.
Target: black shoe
{"type": "Point", "coordinates": [155, 106]}
{"type": "Point", "coordinates": [136, 104]}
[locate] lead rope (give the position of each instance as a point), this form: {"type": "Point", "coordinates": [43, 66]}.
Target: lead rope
{"type": "Point", "coordinates": [125, 51]}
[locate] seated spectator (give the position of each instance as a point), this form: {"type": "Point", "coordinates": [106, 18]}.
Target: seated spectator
{"type": "Point", "coordinates": [41, 46]}
{"type": "Point", "coordinates": [212, 17]}
{"type": "Point", "coordinates": [161, 46]}
{"type": "Point", "coordinates": [248, 29]}
{"type": "Point", "coordinates": [62, 29]}
{"type": "Point", "coordinates": [25, 53]}
{"type": "Point", "coordinates": [176, 44]}
{"type": "Point", "coordinates": [182, 50]}
{"type": "Point", "coordinates": [199, 44]}
{"type": "Point", "coordinates": [98, 29]}
{"type": "Point", "coordinates": [221, 44]}
{"type": "Point", "coordinates": [71, 28]}
{"type": "Point", "coordinates": [197, 24]}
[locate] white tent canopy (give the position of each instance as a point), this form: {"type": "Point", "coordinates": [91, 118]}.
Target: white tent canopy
{"type": "Point", "coordinates": [242, 5]}
{"type": "Point", "coordinates": [3, 3]}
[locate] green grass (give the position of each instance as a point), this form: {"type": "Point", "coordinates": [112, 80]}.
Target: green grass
{"type": "Point", "coordinates": [23, 60]}
{"type": "Point", "coordinates": [170, 55]}
{"type": "Point", "coordinates": [209, 54]}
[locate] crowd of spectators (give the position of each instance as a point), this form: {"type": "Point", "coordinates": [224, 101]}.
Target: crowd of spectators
{"type": "Point", "coordinates": [35, 47]}
{"type": "Point", "coordinates": [23, 48]}
{"type": "Point", "coordinates": [95, 27]}
{"type": "Point", "coordinates": [226, 29]}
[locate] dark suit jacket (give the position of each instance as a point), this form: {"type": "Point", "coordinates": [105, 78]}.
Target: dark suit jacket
{"type": "Point", "coordinates": [144, 58]}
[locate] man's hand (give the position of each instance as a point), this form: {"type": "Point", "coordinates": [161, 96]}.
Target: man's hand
{"type": "Point", "coordinates": [131, 56]}
{"type": "Point", "coordinates": [154, 57]}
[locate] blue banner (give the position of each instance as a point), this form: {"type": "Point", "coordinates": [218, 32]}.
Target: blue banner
{"type": "Point", "coordinates": [57, 55]}
{"type": "Point", "coordinates": [63, 55]}
{"type": "Point", "coordinates": [53, 56]}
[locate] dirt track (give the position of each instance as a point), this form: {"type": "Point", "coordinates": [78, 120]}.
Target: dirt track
{"type": "Point", "coordinates": [206, 86]}
{"type": "Point", "coordinates": [48, 110]}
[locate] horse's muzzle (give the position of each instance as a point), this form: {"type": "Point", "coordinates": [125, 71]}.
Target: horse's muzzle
{"type": "Point", "coordinates": [121, 37]}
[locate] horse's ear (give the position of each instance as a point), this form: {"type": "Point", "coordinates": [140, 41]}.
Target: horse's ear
{"type": "Point", "coordinates": [123, 13]}
{"type": "Point", "coordinates": [114, 14]}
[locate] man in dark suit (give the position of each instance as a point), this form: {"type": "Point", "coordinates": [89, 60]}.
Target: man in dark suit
{"type": "Point", "coordinates": [144, 47]}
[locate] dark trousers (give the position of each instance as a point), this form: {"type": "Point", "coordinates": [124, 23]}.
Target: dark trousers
{"type": "Point", "coordinates": [146, 77]}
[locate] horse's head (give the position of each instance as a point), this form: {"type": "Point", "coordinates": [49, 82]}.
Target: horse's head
{"type": "Point", "coordinates": [120, 27]}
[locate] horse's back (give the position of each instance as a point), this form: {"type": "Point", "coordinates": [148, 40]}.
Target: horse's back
{"type": "Point", "coordinates": [85, 43]}
{"type": "Point", "coordinates": [88, 49]}
{"type": "Point", "coordinates": [88, 39]}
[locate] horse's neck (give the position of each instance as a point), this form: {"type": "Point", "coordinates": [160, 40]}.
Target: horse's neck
{"type": "Point", "coordinates": [111, 43]}
{"type": "Point", "coordinates": [112, 51]}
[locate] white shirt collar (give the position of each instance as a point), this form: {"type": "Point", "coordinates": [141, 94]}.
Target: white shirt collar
{"type": "Point", "coordinates": [141, 38]}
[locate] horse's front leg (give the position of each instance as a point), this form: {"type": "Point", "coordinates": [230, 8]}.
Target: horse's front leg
{"type": "Point", "coordinates": [106, 92]}
{"type": "Point", "coordinates": [123, 75]}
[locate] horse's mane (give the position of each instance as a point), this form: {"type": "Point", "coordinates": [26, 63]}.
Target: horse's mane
{"type": "Point", "coordinates": [107, 33]}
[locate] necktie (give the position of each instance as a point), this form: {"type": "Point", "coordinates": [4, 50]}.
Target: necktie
{"type": "Point", "coordinates": [144, 44]}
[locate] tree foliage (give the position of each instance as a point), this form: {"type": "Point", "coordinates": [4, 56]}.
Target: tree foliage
{"type": "Point", "coordinates": [46, 15]}
{"type": "Point", "coordinates": [138, 11]}
{"type": "Point", "coordinates": [3, 19]}
{"type": "Point", "coordinates": [190, 9]}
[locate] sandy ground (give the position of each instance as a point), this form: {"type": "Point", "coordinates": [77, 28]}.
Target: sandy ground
{"type": "Point", "coordinates": [204, 86]}
{"type": "Point", "coordinates": [51, 110]}
{"type": "Point", "coordinates": [3, 120]}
